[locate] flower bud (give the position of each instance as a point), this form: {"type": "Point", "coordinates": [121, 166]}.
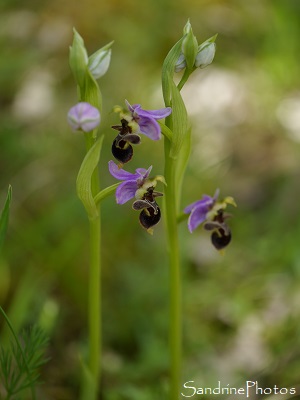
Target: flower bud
{"type": "Point", "coordinates": [98, 62]}
{"type": "Point", "coordinates": [189, 46]}
{"type": "Point", "coordinates": [206, 53]}
{"type": "Point", "coordinates": [78, 59]}
{"type": "Point", "coordinates": [83, 116]}
{"type": "Point", "coordinates": [187, 28]}
{"type": "Point", "coordinates": [180, 63]}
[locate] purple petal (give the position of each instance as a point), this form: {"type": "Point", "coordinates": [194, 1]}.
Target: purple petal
{"type": "Point", "coordinates": [149, 127]}
{"type": "Point", "coordinates": [197, 216]}
{"type": "Point", "coordinates": [144, 173]}
{"type": "Point", "coordinates": [126, 191]}
{"type": "Point", "coordinates": [206, 201]}
{"type": "Point", "coordinates": [156, 114]}
{"type": "Point", "coordinates": [83, 116]}
{"type": "Point", "coordinates": [121, 174]}
{"type": "Point", "coordinates": [130, 107]}
{"type": "Point", "coordinates": [216, 195]}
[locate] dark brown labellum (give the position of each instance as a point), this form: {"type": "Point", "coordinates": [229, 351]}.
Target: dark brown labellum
{"type": "Point", "coordinates": [220, 239]}
{"type": "Point", "coordinates": [149, 218]}
{"type": "Point", "coordinates": [123, 152]}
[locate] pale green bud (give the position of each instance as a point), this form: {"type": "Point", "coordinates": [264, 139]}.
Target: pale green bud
{"type": "Point", "coordinates": [78, 59]}
{"type": "Point", "coordinates": [206, 53]}
{"type": "Point", "coordinates": [189, 46]}
{"type": "Point", "coordinates": [98, 62]}
{"type": "Point", "coordinates": [187, 27]}
{"type": "Point", "coordinates": [180, 63]}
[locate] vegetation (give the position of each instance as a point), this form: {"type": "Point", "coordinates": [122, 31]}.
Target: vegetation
{"type": "Point", "coordinates": [241, 310]}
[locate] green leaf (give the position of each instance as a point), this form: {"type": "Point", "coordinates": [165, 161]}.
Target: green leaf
{"type": "Point", "coordinates": [165, 131]}
{"type": "Point", "coordinates": [88, 88]}
{"type": "Point", "coordinates": [90, 91]}
{"type": "Point", "coordinates": [84, 178]}
{"type": "Point", "coordinates": [106, 192]}
{"type": "Point", "coordinates": [189, 46]}
{"type": "Point", "coordinates": [78, 58]}
{"type": "Point", "coordinates": [168, 70]}
{"type": "Point", "coordinates": [4, 217]}
{"type": "Point", "coordinates": [182, 162]}
{"type": "Point", "coordinates": [100, 60]}
{"type": "Point", "coordinates": [179, 120]}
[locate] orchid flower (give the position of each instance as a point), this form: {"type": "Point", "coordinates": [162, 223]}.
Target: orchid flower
{"type": "Point", "coordinates": [147, 120]}
{"type": "Point", "coordinates": [210, 211]}
{"type": "Point", "coordinates": [140, 187]}
{"type": "Point", "coordinates": [137, 121]}
{"type": "Point", "coordinates": [131, 182]}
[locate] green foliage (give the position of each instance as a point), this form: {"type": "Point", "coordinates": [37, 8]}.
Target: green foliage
{"type": "Point", "coordinates": [168, 70]}
{"type": "Point", "coordinates": [238, 145]}
{"type": "Point", "coordinates": [179, 120]}
{"type": "Point", "coordinates": [84, 178]}
{"type": "Point", "coordinates": [79, 62]}
{"type": "Point", "coordinates": [21, 362]}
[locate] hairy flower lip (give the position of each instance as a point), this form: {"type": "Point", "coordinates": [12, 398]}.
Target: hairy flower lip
{"type": "Point", "coordinates": [121, 147]}
{"type": "Point", "coordinates": [121, 150]}
{"type": "Point", "coordinates": [149, 217]}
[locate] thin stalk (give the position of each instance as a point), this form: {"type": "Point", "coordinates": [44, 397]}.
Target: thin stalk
{"type": "Point", "coordinates": [184, 79]}
{"type": "Point", "coordinates": [94, 301]}
{"type": "Point", "coordinates": [94, 288]}
{"type": "Point", "coordinates": [175, 324]}
{"type": "Point", "coordinates": [106, 192]}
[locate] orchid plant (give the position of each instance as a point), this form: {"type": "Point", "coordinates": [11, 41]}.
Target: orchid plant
{"type": "Point", "coordinates": [187, 56]}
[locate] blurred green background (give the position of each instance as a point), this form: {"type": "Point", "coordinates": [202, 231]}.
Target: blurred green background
{"type": "Point", "coordinates": [241, 311]}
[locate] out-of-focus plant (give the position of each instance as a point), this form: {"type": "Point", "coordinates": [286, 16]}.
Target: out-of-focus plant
{"type": "Point", "coordinates": [21, 362]}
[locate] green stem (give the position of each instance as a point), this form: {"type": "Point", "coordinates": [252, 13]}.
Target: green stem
{"type": "Point", "coordinates": [94, 302]}
{"type": "Point", "coordinates": [184, 78]}
{"type": "Point", "coordinates": [106, 192]}
{"type": "Point", "coordinates": [94, 288]}
{"type": "Point", "coordinates": [175, 325]}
